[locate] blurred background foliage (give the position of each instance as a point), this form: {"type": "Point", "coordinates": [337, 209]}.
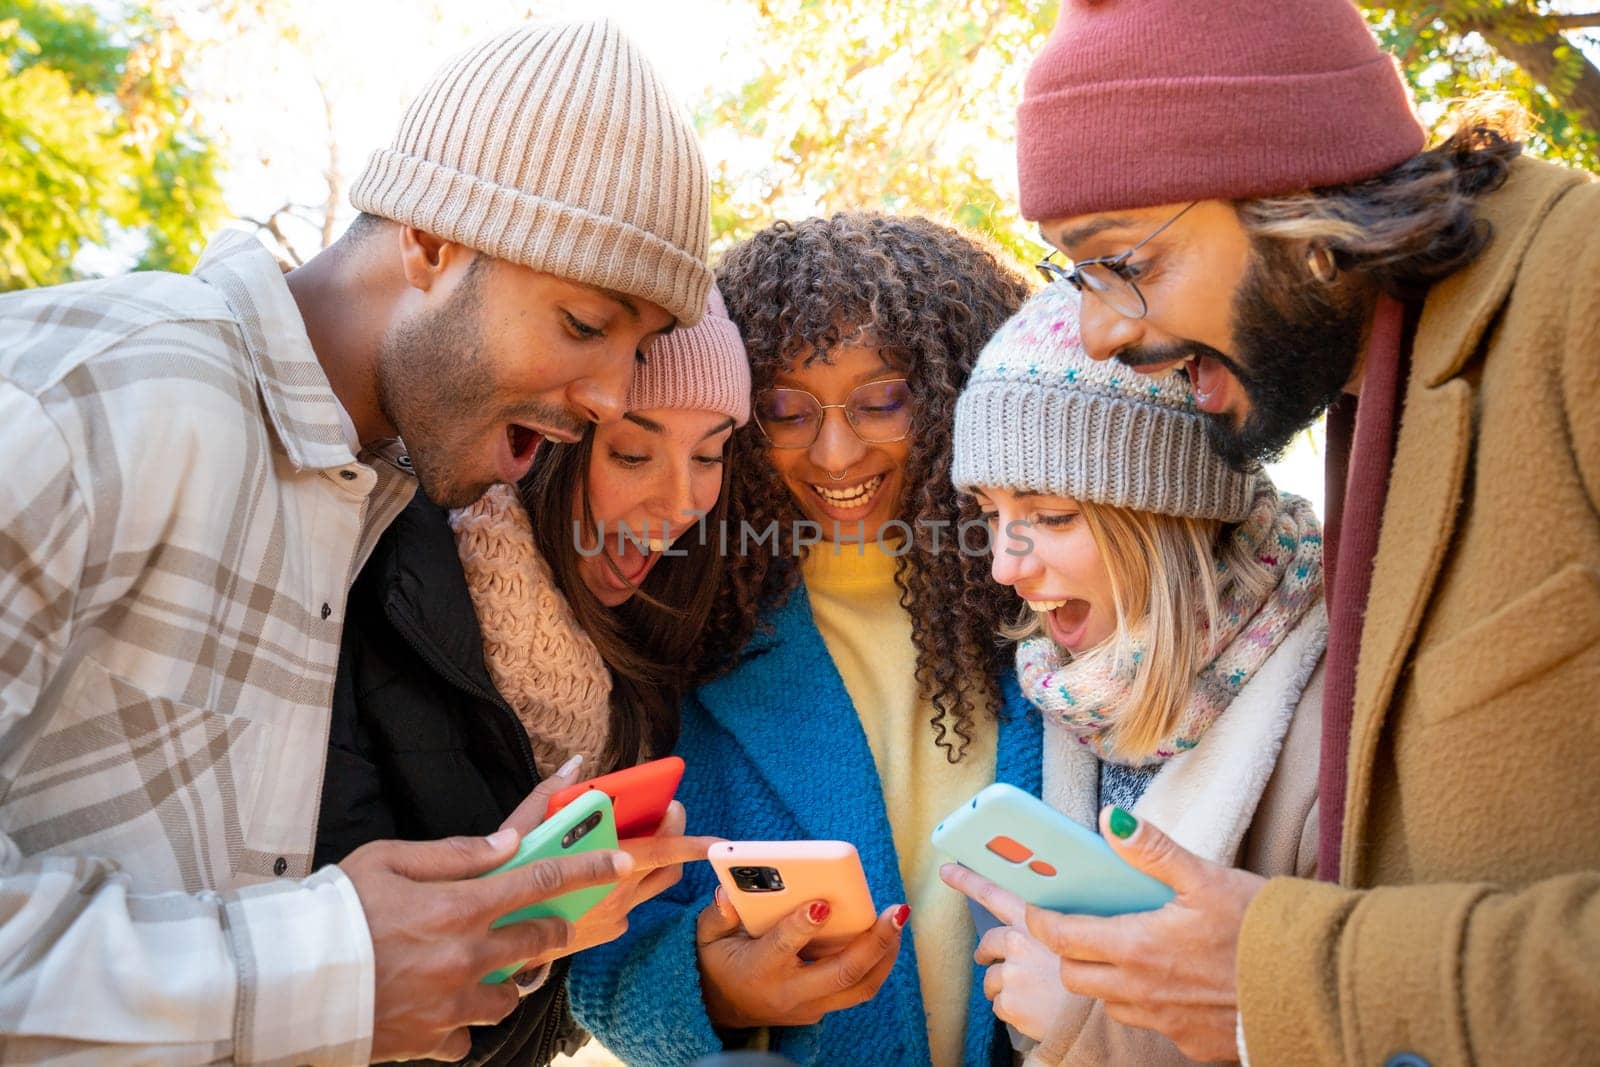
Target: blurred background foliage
{"type": "Point", "coordinates": [99, 141]}
{"type": "Point", "coordinates": [108, 155]}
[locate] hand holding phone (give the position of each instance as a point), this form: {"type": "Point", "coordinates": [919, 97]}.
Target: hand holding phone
{"type": "Point", "coordinates": [583, 826]}
{"type": "Point", "coordinates": [1021, 843]}
{"type": "Point", "coordinates": [766, 880]}
{"type": "Point", "coordinates": [774, 979]}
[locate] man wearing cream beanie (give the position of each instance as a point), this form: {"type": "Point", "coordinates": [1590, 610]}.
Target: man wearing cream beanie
{"type": "Point", "coordinates": [540, 217]}
{"type": "Point", "coordinates": [539, 220]}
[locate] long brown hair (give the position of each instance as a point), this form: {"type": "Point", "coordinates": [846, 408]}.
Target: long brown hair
{"type": "Point", "coordinates": [928, 297]}
{"type": "Point", "coordinates": [1414, 223]}
{"type": "Point", "coordinates": [647, 642]}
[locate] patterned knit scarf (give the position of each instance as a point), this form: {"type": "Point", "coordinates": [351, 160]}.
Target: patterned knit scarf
{"type": "Point", "coordinates": [542, 662]}
{"type": "Point", "coordinates": [1086, 694]}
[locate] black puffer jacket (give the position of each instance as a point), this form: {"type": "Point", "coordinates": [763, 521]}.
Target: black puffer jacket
{"type": "Point", "coordinates": [423, 746]}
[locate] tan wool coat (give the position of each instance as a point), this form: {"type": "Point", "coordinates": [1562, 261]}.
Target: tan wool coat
{"type": "Point", "coordinates": [1467, 930]}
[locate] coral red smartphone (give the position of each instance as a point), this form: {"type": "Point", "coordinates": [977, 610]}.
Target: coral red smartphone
{"type": "Point", "coordinates": [639, 795]}
{"type": "Point", "coordinates": [766, 880]}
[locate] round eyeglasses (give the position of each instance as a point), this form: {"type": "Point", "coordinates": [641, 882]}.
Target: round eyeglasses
{"type": "Point", "coordinates": [1107, 278]}
{"type": "Point", "coordinates": [878, 412]}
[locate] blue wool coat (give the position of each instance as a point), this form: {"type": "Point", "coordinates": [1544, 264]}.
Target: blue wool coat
{"type": "Point", "coordinates": [775, 751]}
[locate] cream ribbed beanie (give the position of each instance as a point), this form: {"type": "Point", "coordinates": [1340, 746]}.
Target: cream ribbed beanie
{"type": "Point", "coordinates": [1038, 414]}
{"type": "Point", "coordinates": [555, 146]}
{"type": "Point", "coordinates": [703, 368]}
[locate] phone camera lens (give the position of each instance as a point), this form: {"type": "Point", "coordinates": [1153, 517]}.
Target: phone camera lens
{"type": "Point", "coordinates": [757, 879]}
{"type": "Point", "coordinates": [572, 836]}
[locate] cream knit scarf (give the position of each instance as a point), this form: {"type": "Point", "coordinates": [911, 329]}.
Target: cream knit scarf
{"type": "Point", "coordinates": [542, 662]}
{"type": "Point", "coordinates": [1085, 695]}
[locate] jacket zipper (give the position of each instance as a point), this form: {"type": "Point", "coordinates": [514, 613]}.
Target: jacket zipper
{"type": "Point", "coordinates": [555, 1015]}
{"type": "Point", "coordinates": [452, 674]}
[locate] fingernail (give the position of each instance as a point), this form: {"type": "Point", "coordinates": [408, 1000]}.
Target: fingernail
{"type": "Point", "coordinates": [818, 912]}
{"type": "Point", "coordinates": [502, 838]}
{"type": "Point", "coordinates": [1122, 823]}
{"type": "Point", "coordinates": [901, 916]}
{"type": "Point", "coordinates": [621, 864]}
{"type": "Point", "coordinates": [720, 898]}
{"type": "Point", "coordinates": [569, 768]}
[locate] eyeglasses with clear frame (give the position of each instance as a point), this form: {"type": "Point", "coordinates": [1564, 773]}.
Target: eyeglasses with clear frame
{"type": "Point", "coordinates": [879, 413]}
{"type": "Point", "coordinates": [1107, 277]}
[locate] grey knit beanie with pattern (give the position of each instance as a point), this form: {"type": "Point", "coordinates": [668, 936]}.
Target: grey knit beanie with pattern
{"type": "Point", "coordinates": [702, 368]}
{"type": "Point", "coordinates": [1038, 414]}
{"type": "Point", "coordinates": [555, 146]}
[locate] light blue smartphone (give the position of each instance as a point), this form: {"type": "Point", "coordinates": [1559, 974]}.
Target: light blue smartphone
{"type": "Point", "coordinates": [584, 825]}
{"type": "Point", "coordinates": [1019, 842]}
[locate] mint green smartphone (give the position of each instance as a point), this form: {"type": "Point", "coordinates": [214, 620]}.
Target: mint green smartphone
{"type": "Point", "coordinates": [584, 825]}
{"type": "Point", "coordinates": [1019, 842]}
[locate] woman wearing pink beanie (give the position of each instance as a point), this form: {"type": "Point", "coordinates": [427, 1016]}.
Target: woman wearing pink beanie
{"type": "Point", "coordinates": [538, 637]}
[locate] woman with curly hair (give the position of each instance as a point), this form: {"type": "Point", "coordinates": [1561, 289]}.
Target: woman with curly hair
{"type": "Point", "coordinates": [859, 690]}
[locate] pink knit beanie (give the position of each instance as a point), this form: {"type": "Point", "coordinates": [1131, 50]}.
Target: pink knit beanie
{"type": "Point", "coordinates": [702, 368]}
{"type": "Point", "coordinates": [1134, 103]}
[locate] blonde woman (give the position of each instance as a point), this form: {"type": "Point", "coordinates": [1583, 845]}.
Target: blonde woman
{"type": "Point", "coordinates": [1172, 635]}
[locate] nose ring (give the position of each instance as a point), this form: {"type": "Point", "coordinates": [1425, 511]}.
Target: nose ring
{"type": "Point", "coordinates": [837, 477]}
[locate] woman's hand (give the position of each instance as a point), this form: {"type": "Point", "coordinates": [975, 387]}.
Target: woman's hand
{"type": "Point", "coordinates": [1024, 978]}
{"type": "Point", "coordinates": [762, 981]}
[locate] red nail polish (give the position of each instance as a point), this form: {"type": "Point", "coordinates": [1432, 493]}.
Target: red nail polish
{"type": "Point", "coordinates": [901, 916]}
{"type": "Point", "coordinates": [818, 912]}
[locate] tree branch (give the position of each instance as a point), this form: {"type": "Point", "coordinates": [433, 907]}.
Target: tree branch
{"type": "Point", "coordinates": [1578, 20]}
{"type": "Point", "coordinates": [331, 173]}
{"type": "Point", "coordinates": [272, 227]}
{"type": "Point", "coordinates": [1538, 57]}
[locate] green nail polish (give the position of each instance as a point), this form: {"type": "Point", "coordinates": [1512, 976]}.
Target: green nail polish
{"type": "Point", "coordinates": [1122, 824]}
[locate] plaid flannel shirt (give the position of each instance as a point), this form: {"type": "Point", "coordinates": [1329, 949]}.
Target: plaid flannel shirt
{"type": "Point", "coordinates": [180, 520]}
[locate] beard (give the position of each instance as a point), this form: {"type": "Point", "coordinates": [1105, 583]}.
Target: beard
{"type": "Point", "coordinates": [435, 387]}
{"type": "Point", "coordinates": [1297, 342]}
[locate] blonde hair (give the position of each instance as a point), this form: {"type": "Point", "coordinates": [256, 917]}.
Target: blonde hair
{"type": "Point", "coordinates": [1168, 575]}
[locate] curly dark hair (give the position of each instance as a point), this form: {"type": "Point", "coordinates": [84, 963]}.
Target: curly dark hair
{"type": "Point", "coordinates": [928, 297]}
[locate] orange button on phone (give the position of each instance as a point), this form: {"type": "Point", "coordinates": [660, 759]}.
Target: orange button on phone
{"type": "Point", "coordinates": [1043, 869]}
{"type": "Point", "coordinates": [1009, 849]}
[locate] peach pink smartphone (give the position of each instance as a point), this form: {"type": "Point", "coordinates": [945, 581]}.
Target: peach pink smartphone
{"type": "Point", "coordinates": [766, 880]}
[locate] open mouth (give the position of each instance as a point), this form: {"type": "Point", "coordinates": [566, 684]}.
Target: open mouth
{"type": "Point", "coordinates": [850, 500]}
{"type": "Point", "coordinates": [1067, 621]}
{"type": "Point", "coordinates": [1209, 380]}
{"type": "Point", "coordinates": [516, 458]}
{"type": "Point", "coordinates": [524, 441]}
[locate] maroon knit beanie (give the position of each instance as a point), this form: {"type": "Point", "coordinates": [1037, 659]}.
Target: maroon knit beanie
{"type": "Point", "coordinates": [1140, 102]}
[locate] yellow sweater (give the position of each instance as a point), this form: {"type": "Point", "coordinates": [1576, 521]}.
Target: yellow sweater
{"type": "Point", "coordinates": [856, 606]}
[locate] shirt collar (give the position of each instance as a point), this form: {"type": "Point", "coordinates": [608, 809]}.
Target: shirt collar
{"type": "Point", "coordinates": [295, 392]}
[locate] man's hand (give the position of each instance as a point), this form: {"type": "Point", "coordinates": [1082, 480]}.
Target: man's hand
{"type": "Point", "coordinates": [1023, 979]}
{"type": "Point", "coordinates": [431, 943]}
{"type": "Point", "coordinates": [1171, 970]}
{"type": "Point", "coordinates": [763, 981]}
{"type": "Point", "coordinates": [657, 860]}
{"type": "Point", "coordinates": [657, 865]}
